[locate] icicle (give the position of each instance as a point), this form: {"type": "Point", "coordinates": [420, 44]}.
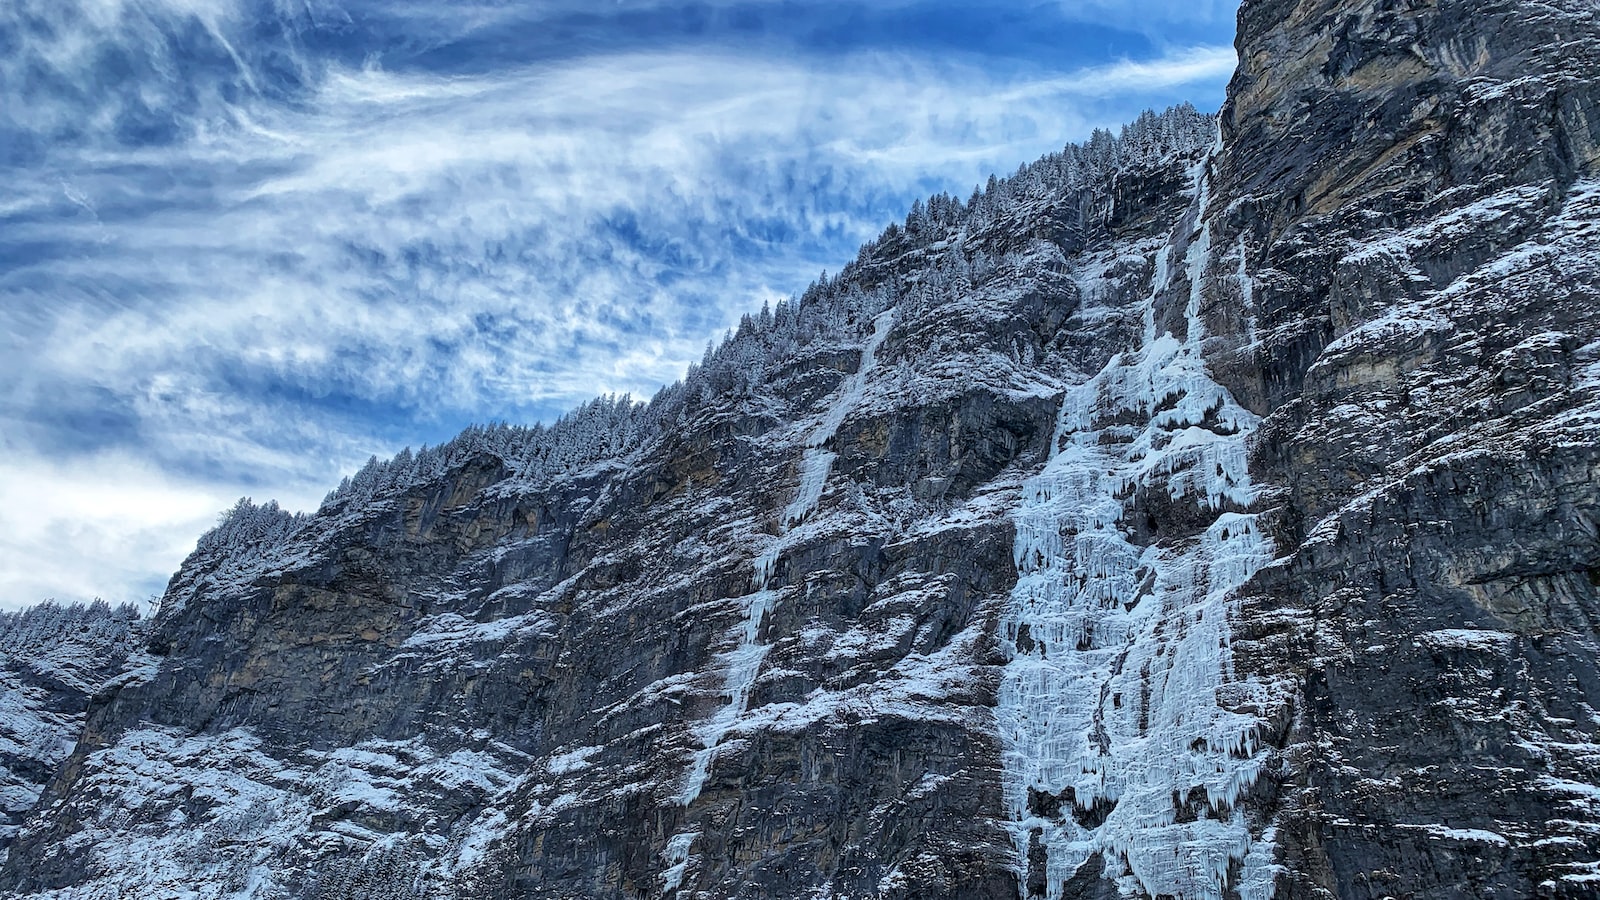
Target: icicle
{"type": "Point", "coordinates": [677, 859]}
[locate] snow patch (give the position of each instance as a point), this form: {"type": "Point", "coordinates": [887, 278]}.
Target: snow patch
{"type": "Point", "coordinates": [1463, 835]}
{"type": "Point", "coordinates": [1468, 639]}
{"type": "Point", "coordinates": [567, 763]}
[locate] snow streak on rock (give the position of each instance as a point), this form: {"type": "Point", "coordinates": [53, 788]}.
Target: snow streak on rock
{"type": "Point", "coordinates": [744, 661]}
{"type": "Point", "coordinates": [1114, 704]}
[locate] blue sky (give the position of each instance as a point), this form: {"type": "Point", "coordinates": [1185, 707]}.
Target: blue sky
{"type": "Point", "coordinates": [244, 245]}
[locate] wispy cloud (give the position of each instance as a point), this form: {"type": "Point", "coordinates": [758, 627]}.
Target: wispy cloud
{"type": "Point", "coordinates": [304, 266]}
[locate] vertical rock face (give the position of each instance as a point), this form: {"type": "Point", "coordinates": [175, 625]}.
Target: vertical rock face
{"type": "Point", "coordinates": [1411, 189]}
{"type": "Point", "coordinates": [1208, 512]}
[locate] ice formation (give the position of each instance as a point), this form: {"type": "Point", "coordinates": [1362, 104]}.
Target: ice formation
{"type": "Point", "coordinates": [743, 662]}
{"type": "Point", "coordinates": [1115, 739]}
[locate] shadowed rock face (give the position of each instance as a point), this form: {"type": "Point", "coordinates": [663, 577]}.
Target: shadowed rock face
{"type": "Point", "coordinates": [782, 649]}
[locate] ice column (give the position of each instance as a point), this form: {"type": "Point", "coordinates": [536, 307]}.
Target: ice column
{"type": "Point", "coordinates": [1114, 737]}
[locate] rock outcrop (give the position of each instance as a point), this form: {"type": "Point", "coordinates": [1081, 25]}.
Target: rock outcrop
{"type": "Point", "coordinates": [1205, 512]}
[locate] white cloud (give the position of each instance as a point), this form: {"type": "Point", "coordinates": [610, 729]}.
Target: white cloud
{"type": "Point", "coordinates": [109, 525]}
{"type": "Point", "coordinates": [535, 163]}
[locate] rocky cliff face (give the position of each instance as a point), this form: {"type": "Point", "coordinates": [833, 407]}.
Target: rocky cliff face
{"type": "Point", "coordinates": [1426, 296]}
{"type": "Point", "coordinates": [1209, 512]}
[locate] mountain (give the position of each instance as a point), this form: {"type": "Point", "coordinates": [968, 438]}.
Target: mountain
{"type": "Point", "coordinates": [54, 658]}
{"type": "Point", "coordinates": [1208, 510]}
